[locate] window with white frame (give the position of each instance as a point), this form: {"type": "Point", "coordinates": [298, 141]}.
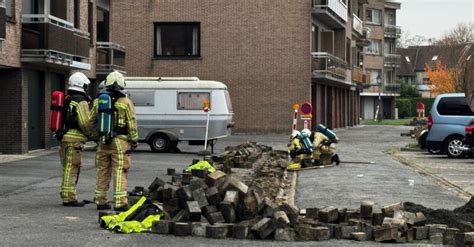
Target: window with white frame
{"type": "Point", "coordinates": [374, 47]}
{"type": "Point", "coordinates": [374, 73]}
{"type": "Point", "coordinates": [177, 39]}
{"type": "Point", "coordinates": [373, 16]}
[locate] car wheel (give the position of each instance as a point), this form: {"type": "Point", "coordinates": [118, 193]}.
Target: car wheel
{"type": "Point", "coordinates": [453, 146]}
{"type": "Point", "coordinates": [422, 140]}
{"type": "Point", "coordinates": [159, 143]}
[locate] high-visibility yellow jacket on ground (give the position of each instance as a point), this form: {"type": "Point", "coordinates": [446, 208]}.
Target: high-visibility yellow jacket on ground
{"type": "Point", "coordinates": [201, 165]}
{"type": "Point", "coordinates": [139, 218]}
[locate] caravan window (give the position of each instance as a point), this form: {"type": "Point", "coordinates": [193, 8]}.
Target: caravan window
{"type": "Point", "coordinates": [228, 102]}
{"type": "Point", "coordinates": [142, 98]}
{"type": "Point", "coordinates": [192, 100]}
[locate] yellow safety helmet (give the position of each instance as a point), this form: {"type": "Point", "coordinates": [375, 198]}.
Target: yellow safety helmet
{"type": "Point", "coordinates": [115, 78]}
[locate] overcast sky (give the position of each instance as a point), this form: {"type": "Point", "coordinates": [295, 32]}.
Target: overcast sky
{"type": "Point", "coordinates": [432, 18]}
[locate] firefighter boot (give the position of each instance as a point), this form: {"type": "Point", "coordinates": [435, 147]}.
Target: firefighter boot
{"type": "Point", "coordinates": [335, 158]}
{"type": "Point", "coordinates": [103, 206]}
{"type": "Point", "coordinates": [74, 204]}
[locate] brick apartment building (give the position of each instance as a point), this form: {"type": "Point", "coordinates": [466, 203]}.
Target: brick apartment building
{"type": "Point", "coordinates": [270, 53]}
{"type": "Point", "coordinates": [380, 58]}
{"type": "Point", "coordinates": [41, 43]}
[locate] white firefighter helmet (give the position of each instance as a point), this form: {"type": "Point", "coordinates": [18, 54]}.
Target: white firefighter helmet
{"type": "Point", "coordinates": [295, 134]}
{"type": "Point", "coordinates": [115, 78]}
{"type": "Point", "coordinates": [78, 82]}
{"type": "Point", "coordinates": [306, 132]}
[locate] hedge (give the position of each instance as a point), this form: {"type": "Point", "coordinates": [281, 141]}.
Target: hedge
{"type": "Point", "coordinates": [407, 106]}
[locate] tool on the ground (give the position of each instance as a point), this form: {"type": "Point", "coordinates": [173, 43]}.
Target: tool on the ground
{"type": "Point", "coordinates": [357, 162]}
{"type": "Point", "coordinates": [317, 167]}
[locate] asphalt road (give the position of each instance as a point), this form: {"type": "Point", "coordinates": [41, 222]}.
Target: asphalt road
{"type": "Point", "coordinates": [31, 213]}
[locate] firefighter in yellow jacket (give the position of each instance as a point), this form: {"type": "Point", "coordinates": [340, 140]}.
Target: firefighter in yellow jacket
{"type": "Point", "coordinates": [74, 135]}
{"type": "Point", "coordinates": [112, 158]}
{"type": "Point", "coordinates": [324, 149]}
{"type": "Point", "coordinates": [297, 152]}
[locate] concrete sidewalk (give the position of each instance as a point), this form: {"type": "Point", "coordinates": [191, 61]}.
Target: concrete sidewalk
{"type": "Point", "coordinates": [456, 175]}
{"type": "Point", "coordinates": [6, 158]}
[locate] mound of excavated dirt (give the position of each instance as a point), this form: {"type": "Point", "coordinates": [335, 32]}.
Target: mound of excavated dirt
{"type": "Point", "coordinates": [462, 217]}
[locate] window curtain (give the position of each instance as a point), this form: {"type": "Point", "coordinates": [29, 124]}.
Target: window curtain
{"type": "Point", "coordinates": [195, 40]}
{"type": "Point", "coordinates": [376, 17]}
{"type": "Point", "coordinates": [373, 48]}
{"type": "Point", "coordinates": [373, 76]}
{"type": "Point", "coordinates": [158, 41]}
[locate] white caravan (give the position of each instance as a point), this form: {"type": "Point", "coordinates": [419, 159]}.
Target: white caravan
{"type": "Point", "coordinates": [170, 109]}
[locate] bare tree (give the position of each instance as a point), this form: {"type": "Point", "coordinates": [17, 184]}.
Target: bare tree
{"type": "Point", "coordinates": [407, 39]}
{"type": "Point", "coordinates": [462, 33]}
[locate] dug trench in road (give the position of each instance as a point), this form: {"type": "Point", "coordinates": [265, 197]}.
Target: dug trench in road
{"type": "Point", "coordinates": [261, 231]}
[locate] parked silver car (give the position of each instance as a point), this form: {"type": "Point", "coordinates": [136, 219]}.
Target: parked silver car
{"type": "Point", "coordinates": [448, 118]}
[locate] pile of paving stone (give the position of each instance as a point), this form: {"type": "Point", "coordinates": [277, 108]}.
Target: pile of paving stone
{"type": "Point", "coordinates": [242, 156]}
{"type": "Point", "coordinates": [283, 223]}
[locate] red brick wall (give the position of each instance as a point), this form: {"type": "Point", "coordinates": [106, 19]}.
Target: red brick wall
{"type": "Point", "coordinates": [12, 108]}
{"type": "Point", "coordinates": [10, 48]}
{"type": "Point", "coordinates": [260, 49]}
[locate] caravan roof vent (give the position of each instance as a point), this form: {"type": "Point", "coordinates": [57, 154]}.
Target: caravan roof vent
{"type": "Point", "coordinates": [179, 79]}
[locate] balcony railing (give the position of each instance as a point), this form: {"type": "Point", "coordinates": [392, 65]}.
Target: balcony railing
{"type": "Point", "coordinates": [357, 25]}
{"type": "Point", "coordinates": [360, 76]}
{"type": "Point", "coordinates": [392, 88]}
{"type": "Point", "coordinates": [3, 17]}
{"type": "Point", "coordinates": [49, 39]}
{"type": "Point", "coordinates": [392, 60]}
{"type": "Point", "coordinates": [332, 12]}
{"type": "Point", "coordinates": [41, 18]}
{"type": "Point", "coordinates": [328, 66]}
{"type": "Point", "coordinates": [110, 57]}
{"type": "Point", "coordinates": [392, 31]}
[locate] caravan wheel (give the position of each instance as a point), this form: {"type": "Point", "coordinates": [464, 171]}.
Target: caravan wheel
{"type": "Point", "coordinates": [159, 143]}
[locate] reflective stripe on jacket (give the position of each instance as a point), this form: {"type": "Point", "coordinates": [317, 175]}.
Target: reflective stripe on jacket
{"type": "Point", "coordinates": [138, 218]}
{"type": "Point", "coordinates": [84, 131]}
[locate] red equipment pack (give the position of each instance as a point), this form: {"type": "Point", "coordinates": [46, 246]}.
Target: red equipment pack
{"type": "Point", "coordinates": [57, 111]}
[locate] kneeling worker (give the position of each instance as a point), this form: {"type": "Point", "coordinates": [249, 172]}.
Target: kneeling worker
{"type": "Point", "coordinates": [297, 151]}
{"type": "Point", "coordinates": [324, 149]}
